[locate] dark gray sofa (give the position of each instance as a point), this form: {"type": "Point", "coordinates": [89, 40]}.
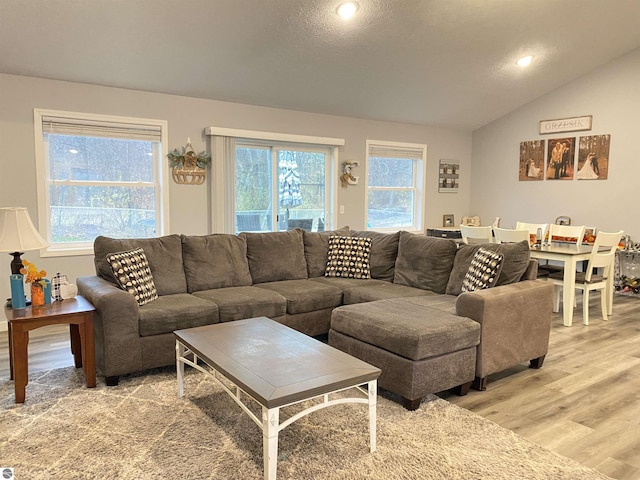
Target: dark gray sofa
{"type": "Point", "coordinates": [221, 277]}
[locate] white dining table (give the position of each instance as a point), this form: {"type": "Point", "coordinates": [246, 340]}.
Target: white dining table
{"type": "Point", "coordinates": [569, 254]}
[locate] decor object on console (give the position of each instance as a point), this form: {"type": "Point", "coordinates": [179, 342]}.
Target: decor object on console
{"type": "Point", "coordinates": [36, 278]}
{"type": "Point", "coordinates": [471, 221]}
{"type": "Point", "coordinates": [57, 281]}
{"type": "Point", "coordinates": [188, 167]}
{"type": "Point", "coordinates": [447, 220]}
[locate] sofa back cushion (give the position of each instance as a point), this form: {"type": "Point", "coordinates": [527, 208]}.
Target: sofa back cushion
{"type": "Point", "coordinates": [164, 255]}
{"type": "Point", "coordinates": [275, 256]}
{"type": "Point", "coordinates": [424, 262]}
{"type": "Point", "coordinates": [384, 252]}
{"type": "Point", "coordinates": [215, 261]}
{"type": "Point", "coordinates": [316, 249]}
{"type": "Point", "coordinates": [514, 264]}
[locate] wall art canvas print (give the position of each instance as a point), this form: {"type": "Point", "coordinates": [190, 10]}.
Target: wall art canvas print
{"type": "Point", "coordinates": [448, 180]}
{"type": "Point", "coordinates": [531, 160]}
{"type": "Point", "coordinates": [593, 157]}
{"type": "Point", "coordinates": [560, 155]}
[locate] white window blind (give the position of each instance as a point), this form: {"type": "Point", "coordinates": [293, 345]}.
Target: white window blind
{"type": "Point", "coordinates": [388, 151]}
{"type": "Point", "coordinates": [91, 128]}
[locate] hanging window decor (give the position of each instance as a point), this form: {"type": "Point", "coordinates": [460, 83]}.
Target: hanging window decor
{"type": "Point", "coordinates": [448, 179]}
{"type": "Point", "coordinates": [188, 167]}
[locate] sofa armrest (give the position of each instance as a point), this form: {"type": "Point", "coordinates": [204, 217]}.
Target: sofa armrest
{"type": "Point", "coordinates": [117, 329]}
{"type": "Point", "coordinates": [515, 323]}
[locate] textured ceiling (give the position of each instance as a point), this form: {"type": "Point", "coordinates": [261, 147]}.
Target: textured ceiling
{"type": "Point", "coordinates": [435, 62]}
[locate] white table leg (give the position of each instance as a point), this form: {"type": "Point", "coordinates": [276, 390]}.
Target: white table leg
{"type": "Point", "coordinates": [180, 368]}
{"type": "Point", "coordinates": [569, 292]}
{"type": "Point", "coordinates": [270, 427]}
{"type": "Point", "coordinates": [373, 399]}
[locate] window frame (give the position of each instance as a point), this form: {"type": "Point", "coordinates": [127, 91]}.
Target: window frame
{"type": "Point", "coordinates": [160, 174]}
{"type": "Point", "coordinates": [416, 152]}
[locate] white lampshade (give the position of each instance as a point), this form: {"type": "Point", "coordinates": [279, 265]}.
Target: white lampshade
{"type": "Point", "coordinates": [17, 233]}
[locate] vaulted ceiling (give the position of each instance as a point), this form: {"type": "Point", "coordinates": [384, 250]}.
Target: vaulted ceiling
{"type": "Point", "coordinates": [446, 63]}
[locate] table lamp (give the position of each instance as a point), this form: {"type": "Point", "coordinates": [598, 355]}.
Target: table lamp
{"type": "Point", "coordinates": [18, 235]}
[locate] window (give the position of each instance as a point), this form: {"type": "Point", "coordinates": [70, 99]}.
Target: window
{"type": "Point", "coordinates": [395, 185]}
{"type": "Point", "coordinates": [268, 181]}
{"type": "Point", "coordinates": [280, 186]}
{"type": "Point", "coordinates": [98, 175]}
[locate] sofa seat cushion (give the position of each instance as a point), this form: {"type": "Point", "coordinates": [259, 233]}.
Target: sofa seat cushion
{"type": "Point", "coordinates": [515, 263]}
{"type": "Point", "coordinates": [382, 291]}
{"type": "Point", "coordinates": [236, 303]}
{"type": "Point", "coordinates": [174, 312]}
{"type": "Point", "coordinates": [424, 262]}
{"type": "Point", "coordinates": [164, 255]}
{"type": "Point", "coordinates": [412, 331]}
{"type": "Point", "coordinates": [275, 256]}
{"type": "Point", "coordinates": [304, 295]}
{"type": "Point", "coordinates": [215, 261]}
{"type": "Point", "coordinates": [445, 303]}
{"type": "Point", "coordinates": [346, 283]}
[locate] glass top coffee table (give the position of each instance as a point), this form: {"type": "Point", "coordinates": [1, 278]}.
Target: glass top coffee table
{"type": "Point", "coordinates": [276, 366]}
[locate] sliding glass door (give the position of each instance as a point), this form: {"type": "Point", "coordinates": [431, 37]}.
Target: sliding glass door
{"type": "Point", "coordinates": [280, 187]}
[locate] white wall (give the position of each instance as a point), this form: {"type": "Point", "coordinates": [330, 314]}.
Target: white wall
{"type": "Point", "coordinates": [187, 117]}
{"type": "Point", "coordinates": [612, 95]}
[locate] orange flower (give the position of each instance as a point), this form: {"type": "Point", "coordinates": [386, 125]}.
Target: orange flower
{"type": "Point", "coordinates": [31, 272]}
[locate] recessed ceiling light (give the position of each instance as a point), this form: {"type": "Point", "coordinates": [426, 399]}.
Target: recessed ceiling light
{"type": "Point", "coordinates": [347, 9]}
{"type": "Point", "coordinates": [73, 150]}
{"type": "Point", "coordinates": [524, 61]}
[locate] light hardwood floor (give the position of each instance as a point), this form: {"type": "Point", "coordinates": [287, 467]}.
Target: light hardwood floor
{"type": "Point", "coordinates": [583, 403]}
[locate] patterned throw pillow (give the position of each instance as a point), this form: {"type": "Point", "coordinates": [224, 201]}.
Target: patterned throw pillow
{"type": "Point", "coordinates": [348, 257]}
{"type": "Point", "coordinates": [483, 271]}
{"type": "Point", "coordinates": [133, 274]}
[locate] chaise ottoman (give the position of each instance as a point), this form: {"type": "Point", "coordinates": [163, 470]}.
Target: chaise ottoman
{"type": "Point", "coordinates": [419, 349]}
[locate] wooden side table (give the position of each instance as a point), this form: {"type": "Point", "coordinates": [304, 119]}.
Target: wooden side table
{"type": "Point", "coordinates": [76, 312]}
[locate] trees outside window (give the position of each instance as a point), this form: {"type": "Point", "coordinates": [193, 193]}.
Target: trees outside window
{"type": "Point", "coordinates": [98, 179]}
{"type": "Point", "coordinates": [395, 186]}
{"type": "Point", "coordinates": [280, 186]}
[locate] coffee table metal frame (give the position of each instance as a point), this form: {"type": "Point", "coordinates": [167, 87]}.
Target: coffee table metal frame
{"type": "Point", "coordinates": [270, 422]}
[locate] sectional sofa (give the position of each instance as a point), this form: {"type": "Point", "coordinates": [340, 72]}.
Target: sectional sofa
{"type": "Point", "coordinates": [203, 280]}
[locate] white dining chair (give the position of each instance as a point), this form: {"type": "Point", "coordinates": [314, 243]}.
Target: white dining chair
{"type": "Point", "coordinates": [566, 233]}
{"type": "Point", "coordinates": [472, 235]}
{"type": "Point", "coordinates": [533, 228]}
{"type": "Point", "coordinates": [506, 235]}
{"type": "Point", "coordinates": [602, 256]}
